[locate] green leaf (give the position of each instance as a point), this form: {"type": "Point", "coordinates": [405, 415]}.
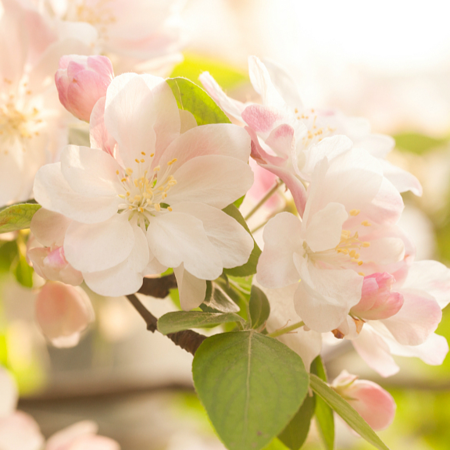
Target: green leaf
{"type": "Point", "coordinates": [324, 414]}
{"type": "Point", "coordinates": [194, 99]}
{"type": "Point", "coordinates": [226, 76]}
{"type": "Point", "coordinates": [417, 143]}
{"type": "Point", "coordinates": [23, 272]}
{"type": "Point", "coordinates": [295, 434]}
{"type": "Point", "coordinates": [249, 268]}
{"type": "Point", "coordinates": [259, 307]}
{"type": "Point", "coordinates": [239, 201]}
{"type": "Point", "coordinates": [8, 254]}
{"type": "Point", "coordinates": [183, 320]}
{"type": "Point", "coordinates": [17, 217]}
{"type": "Point", "coordinates": [251, 386]}
{"type": "Point", "coordinates": [342, 407]}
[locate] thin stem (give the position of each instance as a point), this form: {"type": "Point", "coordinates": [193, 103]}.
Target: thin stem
{"type": "Point", "coordinates": [286, 330]}
{"type": "Point", "coordinates": [188, 340]}
{"type": "Point", "coordinates": [269, 194]}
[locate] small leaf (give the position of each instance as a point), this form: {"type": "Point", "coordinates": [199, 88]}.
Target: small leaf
{"type": "Point", "coordinates": [239, 201]}
{"type": "Point", "coordinates": [17, 217]}
{"type": "Point", "coordinates": [324, 414]}
{"type": "Point", "coordinates": [259, 307]}
{"type": "Point", "coordinates": [251, 386]}
{"type": "Point", "coordinates": [295, 434]}
{"type": "Point", "coordinates": [194, 99]}
{"type": "Point", "coordinates": [353, 419]}
{"type": "Point", "coordinates": [183, 320]}
{"type": "Point", "coordinates": [249, 268]}
{"type": "Point", "coordinates": [23, 272]}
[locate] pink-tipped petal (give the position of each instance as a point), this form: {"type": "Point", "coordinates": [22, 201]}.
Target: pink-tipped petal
{"type": "Point", "coordinates": [63, 312]}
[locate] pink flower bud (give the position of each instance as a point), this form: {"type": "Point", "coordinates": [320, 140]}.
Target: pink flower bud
{"type": "Point", "coordinates": [375, 405]}
{"type": "Point", "coordinates": [377, 301]}
{"type": "Point", "coordinates": [52, 265]}
{"type": "Point", "coordinates": [63, 312]}
{"type": "Point", "coordinates": [82, 81]}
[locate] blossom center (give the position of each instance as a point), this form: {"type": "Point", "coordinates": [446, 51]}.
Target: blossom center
{"type": "Point", "coordinates": [99, 15]}
{"type": "Point", "coordinates": [18, 124]}
{"type": "Point", "coordinates": [145, 193]}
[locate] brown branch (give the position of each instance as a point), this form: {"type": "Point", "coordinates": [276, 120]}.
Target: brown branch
{"type": "Point", "coordinates": [158, 287]}
{"type": "Point", "coordinates": [188, 340]}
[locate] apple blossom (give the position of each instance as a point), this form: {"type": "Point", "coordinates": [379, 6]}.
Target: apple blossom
{"type": "Point", "coordinates": [344, 235]}
{"type": "Point", "coordinates": [81, 81]}
{"type": "Point", "coordinates": [45, 251]}
{"type": "Point", "coordinates": [63, 312]}
{"type": "Point", "coordinates": [32, 124]}
{"type": "Point", "coordinates": [374, 404]}
{"type": "Point", "coordinates": [80, 436]}
{"type": "Point", "coordinates": [17, 429]}
{"type": "Point", "coordinates": [157, 202]}
{"type": "Point", "coordinates": [131, 33]}
{"type": "Point", "coordinates": [410, 331]}
{"type": "Point", "coordinates": [294, 134]}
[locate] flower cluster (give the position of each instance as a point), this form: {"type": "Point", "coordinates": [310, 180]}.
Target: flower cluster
{"type": "Point", "coordinates": [157, 191]}
{"type": "Point", "coordinates": [345, 263]}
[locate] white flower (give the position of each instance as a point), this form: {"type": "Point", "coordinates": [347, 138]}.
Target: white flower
{"type": "Point", "coordinates": [344, 235]}
{"type": "Point", "coordinates": [295, 136]}
{"type": "Point", "coordinates": [157, 202]}
{"type": "Point", "coordinates": [31, 125]}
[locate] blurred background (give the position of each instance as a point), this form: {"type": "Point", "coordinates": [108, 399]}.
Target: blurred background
{"type": "Point", "coordinates": [387, 61]}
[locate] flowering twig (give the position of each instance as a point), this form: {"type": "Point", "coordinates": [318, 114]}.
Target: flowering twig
{"type": "Point", "coordinates": [158, 287]}
{"type": "Point", "coordinates": [188, 340]}
{"type": "Point", "coordinates": [269, 194]}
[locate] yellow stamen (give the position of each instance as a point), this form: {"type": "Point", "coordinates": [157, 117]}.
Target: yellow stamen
{"type": "Point", "coordinates": [157, 207]}
{"type": "Point", "coordinates": [354, 212]}
{"type": "Point", "coordinates": [366, 244]}
{"type": "Point", "coordinates": [366, 223]}
{"type": "Point", "coordinates": [169, 208]}
{"type": "Point", "coordinates": [129, 171]}
{"type": "Point", "coordinates": [172, 161]}
{"type": "Point", "coordinates": [362, 274]}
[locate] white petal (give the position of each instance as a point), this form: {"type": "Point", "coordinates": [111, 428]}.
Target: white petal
{"type": "Point", "coordinates": [215, 180]}
{"type": "Point", "coordinates": [307, 344]}
{"type": "Point", "coordinates": [232, 107]}
{"type": "Point", "coordinates": [230, 239]}
{"type": "Point", "coordinates": [260, 79]}
{"type": "Point", "coordinates": [90, 171]}
{"type": "Point", "coordinates": [431, 277]}
{"type": "Point", "coordinates": [187, 120]}
{"type": "Point", "coordinates": [323, 232]}
{"type": "Point", "coordinates": [53, 192]}
{"type": "Point", "coordinates": [324, 296]}
{"type": "Point", "coordinates": [215, 139]}
{"type": "Point", "coordinates": [20, 431]}
{"type": "Point", "coordinates": [282, 238]}
{"type": "Point", "coordinates": [10, 176]}
{"type": "Point", "coordinates": [176, 238]}
{"type": "Point", "coordinates": [401, 179]}
{"type": "Point", "coordinates": [65, 437]}
{"type": "Point", "coordinates": [125, 278]}
{"type": "Point", "coordinates": [416, 320]}
{"type": "Point", "coordinates": [433, 351]}
{"type": "Point", "coordinates": [49, 227]}
{"type": "Point", "coordinates": [129, 118]}
{"type": "Point", "coordinates": [284, 83]}
{"type": "Point", "coordinates": [375, 352]}
{"type": "Point", "coordinates": [378, 145]}
{"type": "Point", "coordinates": [192, 290]}
{"type": "Point", "coordinates": [99, 246]}
{"type": "Point", "coordinates": [8, 393]}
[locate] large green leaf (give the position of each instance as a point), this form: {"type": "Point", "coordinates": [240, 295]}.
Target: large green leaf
{"type": "Point", "coordinates": [418, 143]}
{"type": "Point", "coordinates": [251, 386]}
{"type": "Point", "coordinates": [342, 407]}
{"type": "Point", "coordinates": [258, 307]}
{"type": "Point", "coordinates": [295, 434]}
{"type": "Point", "coordinates": [324, 414]}
{"type": "Point", "coordinates": [17, 217]}
{"type": "Point", "coordinates": [194, 99]}
{"type": "Point", "coordinates": [183, 320]}
{"type": "Point", "coordinates": [249, 268]}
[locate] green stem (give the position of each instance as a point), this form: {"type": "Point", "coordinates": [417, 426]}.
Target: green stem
{"type": "Point", "coordinates": [286, 330]}
{"type": "Point", "coordinates": [269, 194]}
